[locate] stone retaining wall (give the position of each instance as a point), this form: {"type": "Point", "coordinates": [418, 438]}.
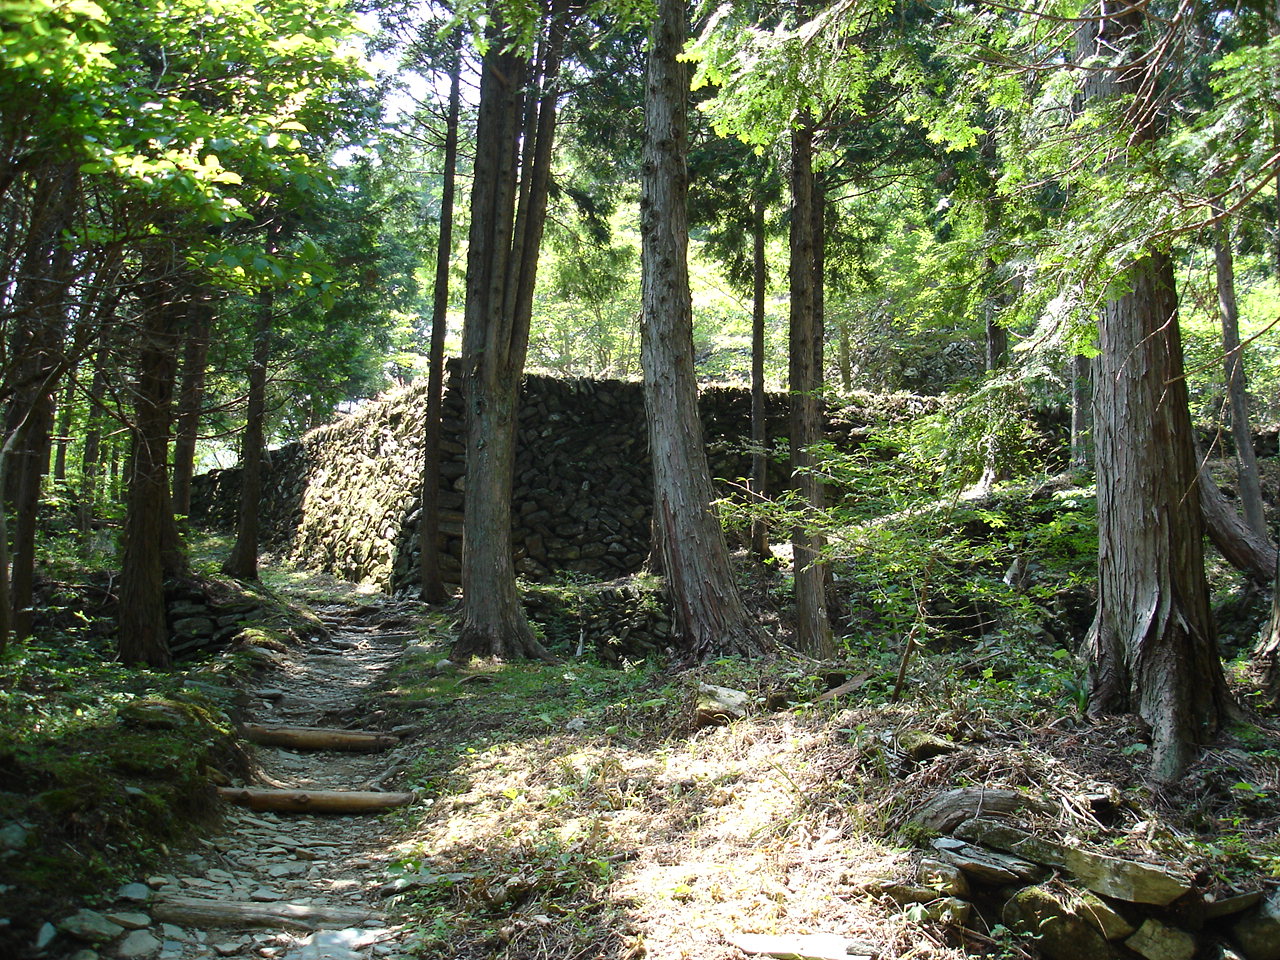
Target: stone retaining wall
{"type": "Point", "coordinates": [345, 498]}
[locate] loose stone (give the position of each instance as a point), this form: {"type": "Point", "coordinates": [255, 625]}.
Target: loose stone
{"type": "Point", "coordinates": [45, 935]}
{"type": "Point", "coordinates": [135, 892]}
{"type": "Point", "coordinates": [1155, 941]}
{"type": "Point", "coordinates": [1258, 932]}
{"type": "Point", "coordinates": [138, 945]}
{"type": "Point", "coordinates": [91, 926]}
{"type": "Point", "coordinates": [130, 919]}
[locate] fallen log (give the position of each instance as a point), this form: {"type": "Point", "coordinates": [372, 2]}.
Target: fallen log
{"type": "Point", "coordinates": [193, 912]}
{"type": "Point", "coordinates": [314, 801]}
{"type": "Point", "coordinates": [317, 738]}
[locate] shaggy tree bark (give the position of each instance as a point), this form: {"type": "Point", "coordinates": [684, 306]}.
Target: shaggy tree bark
{"type": "Point", "coordinates": [1152, 643]}
{"type": "Point", "coordinates": [709, 618]}
{"type": "Point", "coordinates": [433, 588]}
{"type": "Point", "coordinates": [508, 211]}
{"type": "Point", "coordinates": [813, 627]}
{"type": "Point", "coordinates": [151, 549]}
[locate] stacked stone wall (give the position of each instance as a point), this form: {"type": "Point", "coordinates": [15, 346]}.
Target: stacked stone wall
{"type": "Point", "coordinates": [345, 498]}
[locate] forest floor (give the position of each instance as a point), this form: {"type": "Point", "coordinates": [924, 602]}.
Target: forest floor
{"type": "Point", "coordinates": [580, 811]}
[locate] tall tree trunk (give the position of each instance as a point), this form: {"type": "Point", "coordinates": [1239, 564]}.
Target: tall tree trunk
{"type": "Point", "coordinates": [117, 452]}
{"type": "Point", "coordinates": [91, 456]}
{"type": "Point", "coordinates": [243, 561]}
{"type": "Point", "coordinates": [433, 588]}
{"type": "Point", "coordinates": [40, 298]}
{"type": "Point", "coordinates": [709, 618]}
{"type": "Point", "coordinates": [1152, 643]}
{"type": "Point", "coordinates": [502, 261]}
{"type": "Point", "coordinates": [813, 627]}
{"type": "Point", "coordinates": [759, 424]}
{"type": "Point", "coordinates": [996, 341]}
{"type": "Point", "coordinates": [63, 431]}
{"type": "Point", "coordinates": [844, 355]}
{"type": "Point", "coordinates": [195, 355]}
{"type": "Point", "coordinates": [1081, 414]}
{"type": "Point", "coordinates": [1249, 486]}
{"type": "Point", "coordinates": [150, 551]}
{"type": "Point", "coordinates": [1267, 652]}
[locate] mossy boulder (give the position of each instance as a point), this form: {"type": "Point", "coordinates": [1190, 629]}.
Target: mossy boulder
{"type": "Point", "coordinates": [1050, 917]}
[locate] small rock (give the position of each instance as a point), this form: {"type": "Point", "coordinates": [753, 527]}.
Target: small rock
{"type": "Point", "coordinates": [718, 706]}
{"type": "Point", "coordinates": [187, 627]}
{"type": "Point", "coordinates": [944, 878]}
{"type": "Point", "coordinates": [1102, 916]}
{"type": "Point", "coordinates": [1257, 933]}
{"type": "Point", "coordinates": [137, 892]}
{"type": "Point", "coordinates": [1155, 941]}
{"type": "Point", "coordinates": [158, 881]}
{"type": "Point", "coordinates": [228, 948]}
{"type": "Point", "coordinates": [1214, 909]}
{"type": "Point", "coordinates": [265, 895]}
{"type": "Point", "coordinates": [130, 919]}
{"type": "Point", "coordinates": [920, 745]}
{"type": "Point", "coordinates": [84, 955]}
{"type": "Point", "coordinates": [987, 866]}
{"type": "Point", "coordinates": [45, 935]}
{"type": "Point", "coordinates": [13, 836]}
{"type": "Point", "coordinates": [1061, 934]}
{"type": "Point", "coordinates": [138, 945]}
{"type": "Point", "coordinates": [949, 910]}
{"type": "Point", "coordinates": [91, 926]}
{"type": "Point", "coordinates": [172, 932]}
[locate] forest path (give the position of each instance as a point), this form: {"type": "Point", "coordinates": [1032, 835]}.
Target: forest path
{"type": "Point", "coordinates": [322, 872]}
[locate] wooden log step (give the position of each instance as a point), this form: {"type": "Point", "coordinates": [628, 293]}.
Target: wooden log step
{"type": "Point", "coordinates": [318, 738]}
{"type": "Point", "coordinates": [194, 912]}
{"type": "Point", "coordinates": [314, 801]}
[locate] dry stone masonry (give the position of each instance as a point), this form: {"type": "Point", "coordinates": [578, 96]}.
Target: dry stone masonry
{"type": "Point", "coordinates": [345, 499]}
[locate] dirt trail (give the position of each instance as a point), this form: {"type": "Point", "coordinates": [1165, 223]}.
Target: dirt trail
{"type": "Point", "coordinates": [317, 862]}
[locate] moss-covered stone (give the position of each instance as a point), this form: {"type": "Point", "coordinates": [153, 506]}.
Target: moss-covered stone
{"type": "Point", "coordinates": [1050, 917]}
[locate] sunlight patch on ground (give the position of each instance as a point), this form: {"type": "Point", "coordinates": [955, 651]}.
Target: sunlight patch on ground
{"type": "Point", "coordinates": [673, 846]}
